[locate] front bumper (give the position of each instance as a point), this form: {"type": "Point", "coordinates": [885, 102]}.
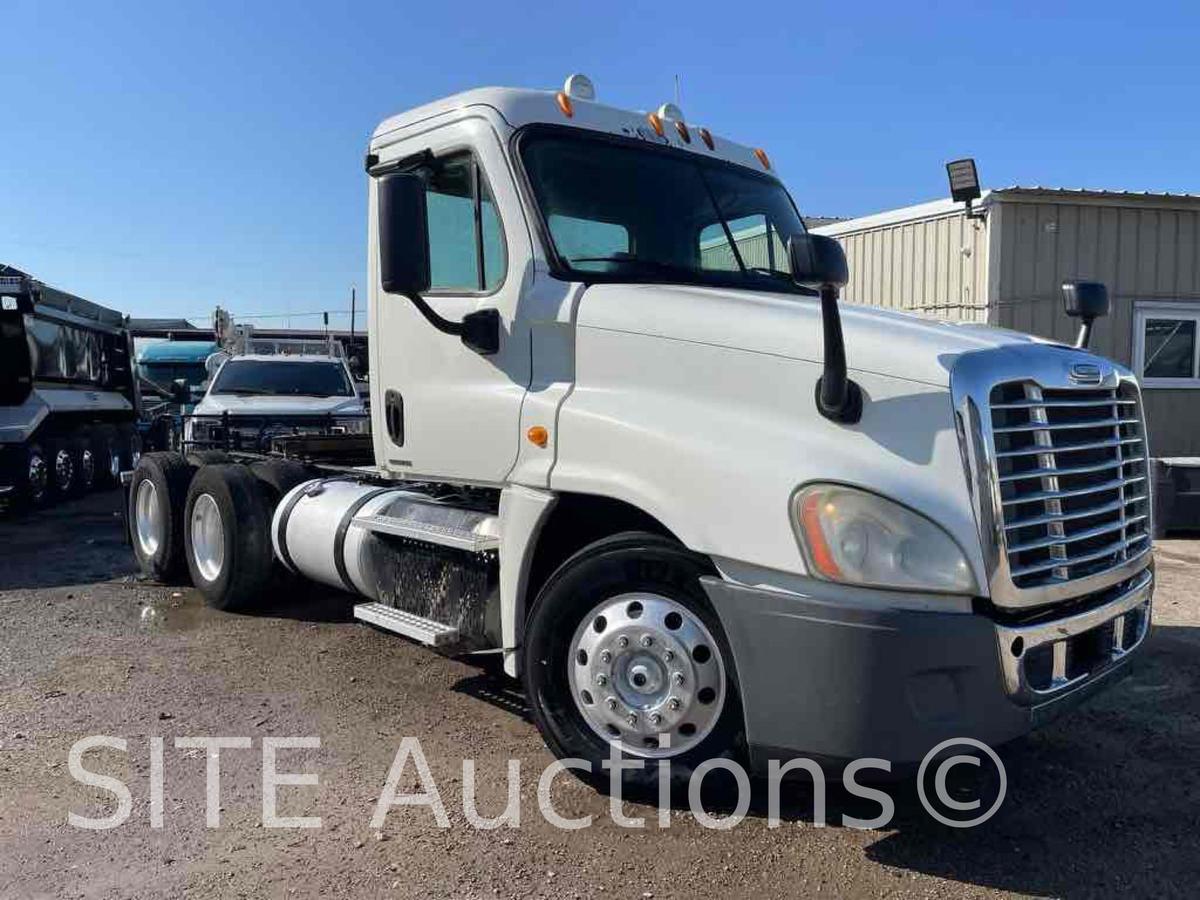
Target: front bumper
{"type": "Point", "coordinates": [833, 681]}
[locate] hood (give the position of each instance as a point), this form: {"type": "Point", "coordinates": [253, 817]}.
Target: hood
{"type": "Point", "coordinates": [883, 342]}
{"type": "Point", "coordinates": [215, 404]}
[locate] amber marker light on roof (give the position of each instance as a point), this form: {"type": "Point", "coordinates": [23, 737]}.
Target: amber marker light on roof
{"type": "Point", "coordinates": [684, 134]}
{"type": "Point", "coordinates": [564, 103]}
{"type": "Point", "coordinates": [762, 158]}
{"type": "Point", "coordinates": [706, 136]}
{"type": "Point", "coordinates": [655, 123]}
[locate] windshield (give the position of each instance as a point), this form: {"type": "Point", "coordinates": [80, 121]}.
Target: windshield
{"type": "Point", "coordinates": [164, 374]}
{"type": "Point", "coordinates": [301, 379]}
{"type": "Point", "coordinates": [620, 211]}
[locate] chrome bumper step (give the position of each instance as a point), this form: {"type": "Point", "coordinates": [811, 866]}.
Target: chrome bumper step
{"type": "Point", "coordinates": [422, 630]}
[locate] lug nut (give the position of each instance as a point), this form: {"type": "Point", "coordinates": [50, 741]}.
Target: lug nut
{"type": "Point", "coordinates": [673, 703]}
{"type": "Point", "coordinates": [669, 655]}
{"type": "Point", "coordinates": [622, 642]}
{"type": "Point", "coordinates": [605, 657]}
{"type": "Point", "coordinates": [611, 703]}
{"type": "Point", "coordinates": [655, 719]}
{"type": "Point", "coordinates": [647, 640]}
{"type": "Point", "coordinates": [601, 679]}
{"type": "Point", "coordinates": [631, 718]}
{"type": "Point", "coordinates": [677, 678]}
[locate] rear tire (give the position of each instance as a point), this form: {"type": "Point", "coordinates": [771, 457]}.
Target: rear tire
{"type": "Point", "coordinates": [104, 451]}
{"type": "Point", "coordinates": [157, 495]}
{"type": "Point", "coordinates": [34, 477]}
{"type": "Point", "coordinates": [62, 468]}
{"type": "Point", "coordinates": [80, 446]}
{"type": "Point", "coordinates": [200, 458]}
{"type": "Point", "coordinates": [280, 475]}
{"type": "Point", "coordinates": [227, 536]}
{"type": "Point", "coordinates": [593, 679]}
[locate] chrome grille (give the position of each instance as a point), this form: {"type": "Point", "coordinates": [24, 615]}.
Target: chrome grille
{"type": "Point", "coordinates": [1073, 481]}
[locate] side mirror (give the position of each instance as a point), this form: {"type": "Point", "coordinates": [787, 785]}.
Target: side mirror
{"type": "Point", "coordinates": [817, 260]}
{"type": "Point", "coordinates": [403, 234]}
{"type": "Point", "coordinates": [1086, 301]}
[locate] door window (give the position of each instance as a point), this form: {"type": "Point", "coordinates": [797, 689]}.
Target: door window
{"type": "Point", "coordinates": [466, 240]}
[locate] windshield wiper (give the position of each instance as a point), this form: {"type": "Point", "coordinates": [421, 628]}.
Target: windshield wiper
{"type": "Point", "coordinates": [244, 392]}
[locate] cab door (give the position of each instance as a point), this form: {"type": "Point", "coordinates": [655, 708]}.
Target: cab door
{"type": "Point", "coordinates": [445, 411]}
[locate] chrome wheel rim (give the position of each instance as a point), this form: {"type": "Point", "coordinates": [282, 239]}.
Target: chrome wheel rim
{"type": "Point", "coordinates": [87, 468]}
{"type": "Point", "coordinates": [208, 537]}
{"type": "Point", "coordinates": [647, 675]}
{"type": "Point", "coordinates": [38, 475]}
{"type": "Point", "coordinates": [147, 517]}
{"type": "Point", "coordinates": [64, 470]}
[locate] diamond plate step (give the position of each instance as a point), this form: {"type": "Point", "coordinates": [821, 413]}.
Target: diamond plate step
{"type": "Point", "coordinates": [443, 535]}
{"type": "Point", "coordinates": [425, 631]}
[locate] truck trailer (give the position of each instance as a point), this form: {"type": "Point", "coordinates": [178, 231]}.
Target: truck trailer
{"type": "Point", "coordinates": [697, 508]}
{"type": "Point", "coordinates": [68, 394]}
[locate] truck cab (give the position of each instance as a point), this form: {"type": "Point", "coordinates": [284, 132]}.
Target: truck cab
{"type": "Point", "coordinates": [625, 438]}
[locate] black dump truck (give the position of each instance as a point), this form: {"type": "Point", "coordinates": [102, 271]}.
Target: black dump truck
{"type": "Point", "coordinates": [68, 394]}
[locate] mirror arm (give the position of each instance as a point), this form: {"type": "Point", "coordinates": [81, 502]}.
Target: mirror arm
{"type": "Point", "coordinates": [445, 326]}
{"type": "Point", "coordinates": [1085, 334]}
{"type": "Point", "coordinates": [838, 398]}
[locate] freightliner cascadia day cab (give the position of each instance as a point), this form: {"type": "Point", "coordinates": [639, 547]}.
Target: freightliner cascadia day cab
{"type": "Point", "coordinates": [624, 437]}
{"type": "Point", "coordinates": [68, 395]}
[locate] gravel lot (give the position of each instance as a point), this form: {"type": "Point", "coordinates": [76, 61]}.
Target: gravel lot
{"type": "Point", "coordinates": [1105, 801]}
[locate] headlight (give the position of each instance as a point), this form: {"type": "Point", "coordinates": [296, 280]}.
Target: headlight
{"type": "Point", "coordinates": [855, 537]}
{"type": "Point", "coordinates": [352, 425]}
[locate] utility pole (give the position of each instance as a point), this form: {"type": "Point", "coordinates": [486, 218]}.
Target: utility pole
{"type": "Point", "coordinates": [352, 299]}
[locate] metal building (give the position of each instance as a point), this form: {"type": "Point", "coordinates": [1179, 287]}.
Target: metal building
{"type": "Point", "coordinates": [1005, 266]}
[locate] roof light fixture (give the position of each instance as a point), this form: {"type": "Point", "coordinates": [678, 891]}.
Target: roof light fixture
{"type": "Point", "coordinates": [964, 185]}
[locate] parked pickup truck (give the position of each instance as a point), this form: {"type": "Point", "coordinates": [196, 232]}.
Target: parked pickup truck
{"type": "Point", "coordinates": [696, 508]}
{"type": "Point", "coordinates": [255, 398]}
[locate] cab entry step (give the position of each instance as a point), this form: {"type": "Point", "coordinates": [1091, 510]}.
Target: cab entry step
{"type": "Point", "coordinates": [425, 631]}
{"type": "Point", "coordinates": [431, 533]}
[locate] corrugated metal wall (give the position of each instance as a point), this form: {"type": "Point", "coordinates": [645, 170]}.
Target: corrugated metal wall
{"type": "Point", "coordinates": [935, 265]}
{"type": "Point", "coordinates": [1142, 249]}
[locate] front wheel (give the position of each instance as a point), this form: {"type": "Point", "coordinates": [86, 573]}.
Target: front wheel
{"type": "Point", "coordinates": [622, 649]}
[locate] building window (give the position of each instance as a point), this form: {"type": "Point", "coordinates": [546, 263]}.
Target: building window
{"type": "Point", "coordinates": [1165, 344]}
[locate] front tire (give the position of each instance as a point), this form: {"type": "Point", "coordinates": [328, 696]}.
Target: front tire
{"type": "Point", "coordinates": [621, 648]}
{"type": "Point", "coordinates": [227, 536]}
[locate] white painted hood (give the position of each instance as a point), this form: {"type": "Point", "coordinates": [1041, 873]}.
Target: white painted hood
{"type": "Point", "coordinates": [883, 342]}
{"type": "Point", "coordinates": [215, 404]}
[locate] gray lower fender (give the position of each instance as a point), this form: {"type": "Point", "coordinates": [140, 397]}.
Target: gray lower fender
{"type": "Point", "coordinates": [834, 682]}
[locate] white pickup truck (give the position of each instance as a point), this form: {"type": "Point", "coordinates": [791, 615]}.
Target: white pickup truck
{"type": "Point", "coordinates": [697, 509]}
{"type": "Point", "coordinates": [253, 398]}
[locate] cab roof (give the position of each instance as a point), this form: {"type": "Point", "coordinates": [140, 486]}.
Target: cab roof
{"type": "Point", "coordinates": [177, 351]}
{"type": "Point", "coordinates": [519, 107]}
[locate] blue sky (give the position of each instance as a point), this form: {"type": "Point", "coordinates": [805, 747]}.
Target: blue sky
{"type": "Point", "coordinates": [165, 157]}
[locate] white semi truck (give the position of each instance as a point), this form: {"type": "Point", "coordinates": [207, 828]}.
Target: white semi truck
{"type": "Point", "coordinates": [696, 508]}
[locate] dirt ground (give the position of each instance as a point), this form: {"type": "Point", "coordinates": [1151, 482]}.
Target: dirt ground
{"type": "Point", "coordinates": [1103, 802]}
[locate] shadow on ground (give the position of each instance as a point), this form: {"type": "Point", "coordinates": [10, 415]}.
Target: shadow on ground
{"type": "Point", "coordinates": [78, 541]}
